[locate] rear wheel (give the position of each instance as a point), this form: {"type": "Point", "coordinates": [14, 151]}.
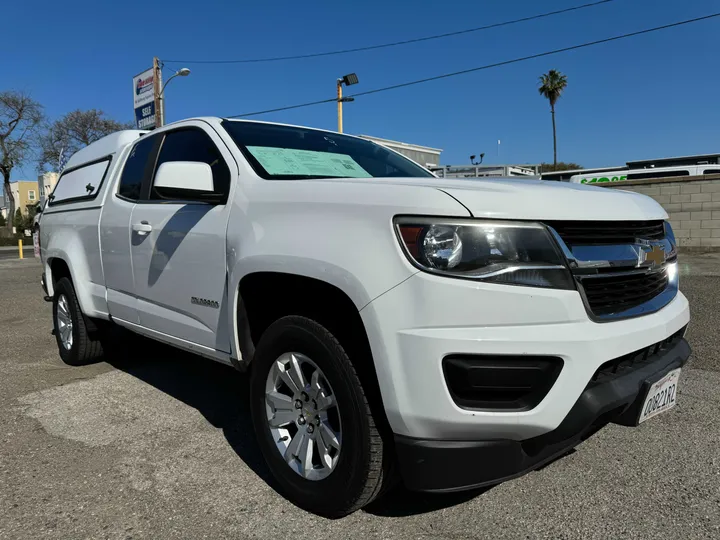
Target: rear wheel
{"type": "Point", "coordinates": [312, 420]}
{"type": "Point", "coordinates": [77, 346]}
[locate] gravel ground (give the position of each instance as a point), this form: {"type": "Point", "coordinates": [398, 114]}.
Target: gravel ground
{"type": "Point", "coordinates": [157, 444]}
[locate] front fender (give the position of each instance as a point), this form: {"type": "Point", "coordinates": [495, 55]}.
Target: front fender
{"type": "Point", "coordinates": [339, 232]}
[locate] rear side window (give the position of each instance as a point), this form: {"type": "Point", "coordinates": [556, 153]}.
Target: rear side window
{"type": "Point", "coordinates": [80, 183]}
{"type": "Point", "coordinates": [193, 145]}
{"type": "Point", "coordinates": [134, 171]}
{"type": "Point", "coordinates": [711, 171]}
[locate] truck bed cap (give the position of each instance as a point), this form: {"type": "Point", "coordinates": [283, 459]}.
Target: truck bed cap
{"type": "Point", "coordinates": [104, 147]}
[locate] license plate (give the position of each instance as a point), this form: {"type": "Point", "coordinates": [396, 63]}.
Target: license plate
{"type": "Point", "coordinates": [661, 397]}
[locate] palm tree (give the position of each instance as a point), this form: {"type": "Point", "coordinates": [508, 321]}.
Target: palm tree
{"type": "Point", "coordinates": [552, 85]}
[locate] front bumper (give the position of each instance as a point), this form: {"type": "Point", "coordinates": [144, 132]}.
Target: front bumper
{"type": "Point", "coordinates": [441, 466]}
{"type": "Point", "coordinates": [427, 318]}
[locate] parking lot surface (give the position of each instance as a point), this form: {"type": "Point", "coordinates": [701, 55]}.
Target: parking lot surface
{"type": "Point", "coordinates": [11, 252]}
{"type": "Point", "coordinates": [156, 444]}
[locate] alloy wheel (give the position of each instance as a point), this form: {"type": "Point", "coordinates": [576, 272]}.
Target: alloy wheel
{"type": "Point", "coordinates": [64, 322]}
{"type": "Point", "coordinates": [303, 416]}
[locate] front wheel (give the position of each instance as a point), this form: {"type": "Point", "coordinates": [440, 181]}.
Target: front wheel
{"type": "Point", "coordinates": [312, 420]}
{"type": "Point", "coordinates": [77, 346]}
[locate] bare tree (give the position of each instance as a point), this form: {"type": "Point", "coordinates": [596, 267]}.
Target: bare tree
{"type": "Point", "coordinates": [75, 130]}
{"type": "Point", "coordinates": [20, 120]}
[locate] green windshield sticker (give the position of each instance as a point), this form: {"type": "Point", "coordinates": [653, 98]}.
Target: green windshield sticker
{"type": "Point", "coordinates": [281, 161]}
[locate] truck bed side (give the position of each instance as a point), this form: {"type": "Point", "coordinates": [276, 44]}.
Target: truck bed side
{"type": "Point", "coordinates": [70, 237]}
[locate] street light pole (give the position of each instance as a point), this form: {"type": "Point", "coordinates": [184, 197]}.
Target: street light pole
{"type": "Point", "coordinates": [339, 103]}
{"type": "Point", "coordinates": [347, 80]}
{"type": "Point", "coordinates": [160, 90]}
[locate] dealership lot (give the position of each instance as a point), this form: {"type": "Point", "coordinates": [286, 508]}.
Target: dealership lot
{"type": "Point", "coordinates": [157, 444]}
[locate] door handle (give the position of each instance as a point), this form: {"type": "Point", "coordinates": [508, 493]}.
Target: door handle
{"type": "Point", "coordinates": [142, 228]}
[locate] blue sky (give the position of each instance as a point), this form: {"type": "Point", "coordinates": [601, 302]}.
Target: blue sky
{"type": "Point", "coordinates": [649, 96]}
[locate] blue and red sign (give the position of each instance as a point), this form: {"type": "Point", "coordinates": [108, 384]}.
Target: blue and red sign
{"type": "Point", "coordinates": [144, 99]}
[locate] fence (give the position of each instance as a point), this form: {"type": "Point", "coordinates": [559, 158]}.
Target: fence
{"type": "Point", "coordinates": [692, 202]}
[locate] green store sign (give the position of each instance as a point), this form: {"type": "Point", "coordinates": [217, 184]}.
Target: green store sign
{"type": "Point", "coordinates": [603, 179]}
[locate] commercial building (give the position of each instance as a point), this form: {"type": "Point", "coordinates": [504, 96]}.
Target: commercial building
{"type": "Point", "coordinates": [424, 155]}
{"type": "Point", "coordinates": [478, 171]}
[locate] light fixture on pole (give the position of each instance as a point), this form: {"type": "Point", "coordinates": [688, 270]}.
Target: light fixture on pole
{"type": "Point", "coordinates": [472, 159]}
{"type": "Point", "coordinates": [347, 80]}
{"type": "Point", "coordinates": [182, 72]}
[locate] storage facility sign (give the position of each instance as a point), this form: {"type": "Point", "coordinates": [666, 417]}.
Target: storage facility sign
{"type": "Point", "coordinates": [144, 99]}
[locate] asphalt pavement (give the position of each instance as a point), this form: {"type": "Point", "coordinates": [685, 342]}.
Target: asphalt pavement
{"type": "Point", "coordinates": [157, 444]}
{"type": "Point", "coordinates": [11, 252]}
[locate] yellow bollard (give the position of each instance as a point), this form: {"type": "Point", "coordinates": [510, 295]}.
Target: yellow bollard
{"type": "Point", "coordinates": [20, 248]}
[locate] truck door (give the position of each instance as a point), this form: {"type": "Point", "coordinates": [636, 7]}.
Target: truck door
{"type": "Point", "coordinates": [115, 229]}
{"type": "Point", "coordinates": [178, 244]}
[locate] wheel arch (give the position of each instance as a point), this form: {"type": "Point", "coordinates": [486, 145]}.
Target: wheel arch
{"type": "Point", "coordinates": [264, 296]}
{"type": "Point", "coordinates": [57, 267]}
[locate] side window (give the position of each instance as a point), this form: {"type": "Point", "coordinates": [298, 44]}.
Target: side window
{"type": "Point", "coordinates": [193, 145]}
{"type": "Point", "coordinates": [80, 183]}
{"type": "Point", "coordinates": [134, 170]}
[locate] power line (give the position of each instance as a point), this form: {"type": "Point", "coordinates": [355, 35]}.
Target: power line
{"type": "Point", "coordinates": [489, 66]}
{"type": "Point", "coordinates": [394, 44]}
{"type": "Point", "coordinates": [284, 108]}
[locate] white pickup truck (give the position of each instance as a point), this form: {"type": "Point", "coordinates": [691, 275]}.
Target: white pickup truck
{"type": "Point", "coordinates": [450, 333]}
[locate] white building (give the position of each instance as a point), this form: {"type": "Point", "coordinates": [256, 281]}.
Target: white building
{"type": "Point", "coordinates": [424, 155]}
{"type": "Point", "coordinates": [477, 171]}
{"type": "Point", "coordinates": [46, 183]}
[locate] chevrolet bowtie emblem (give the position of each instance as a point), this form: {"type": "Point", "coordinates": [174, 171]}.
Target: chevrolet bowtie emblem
{"type": "Point", "coordinates": [656, 255]}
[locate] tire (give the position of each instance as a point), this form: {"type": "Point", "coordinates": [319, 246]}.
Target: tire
{"type": "Point", "coordinates": [361, 464]}
{"type": "Point", "coordinates": [84, 347]}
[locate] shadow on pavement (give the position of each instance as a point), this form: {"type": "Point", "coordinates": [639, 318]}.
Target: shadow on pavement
{"type": "Point", "coordinates": [220, 394]}
{"type": "Point", "coordinates": [403, 503]}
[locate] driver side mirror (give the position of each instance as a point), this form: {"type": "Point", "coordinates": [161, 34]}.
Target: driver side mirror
{"type": "Point", "coordinates": [190, 176]}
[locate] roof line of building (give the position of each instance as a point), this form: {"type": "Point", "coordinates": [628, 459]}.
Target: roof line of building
{"type": "Point", "coordinates": [399, 144]}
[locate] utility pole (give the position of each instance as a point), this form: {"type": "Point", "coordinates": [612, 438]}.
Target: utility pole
{"type": "Point", "coordinates": [157, 89]}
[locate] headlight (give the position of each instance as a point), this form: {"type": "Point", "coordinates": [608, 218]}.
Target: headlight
{"type": "Point", "coordinates": [508, 252]}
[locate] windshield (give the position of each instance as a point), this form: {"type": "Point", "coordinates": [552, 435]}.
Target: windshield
{"type": "Point", "coordinates": [294, 153]}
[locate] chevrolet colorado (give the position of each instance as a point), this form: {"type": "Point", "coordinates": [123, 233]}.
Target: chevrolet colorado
{"type": "Point", "coordinates": [449, 333]}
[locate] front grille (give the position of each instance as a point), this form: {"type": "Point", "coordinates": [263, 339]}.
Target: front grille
{"type": "Point", "coordinates": [614, 294]}
{"type": "Point", "coordinates": [593, 233]}
{"type": "Point", "coordinates": [617, 367]}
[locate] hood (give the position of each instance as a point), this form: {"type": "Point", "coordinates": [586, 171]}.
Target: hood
{"type": "Point", "coordinates": [511, 198]}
